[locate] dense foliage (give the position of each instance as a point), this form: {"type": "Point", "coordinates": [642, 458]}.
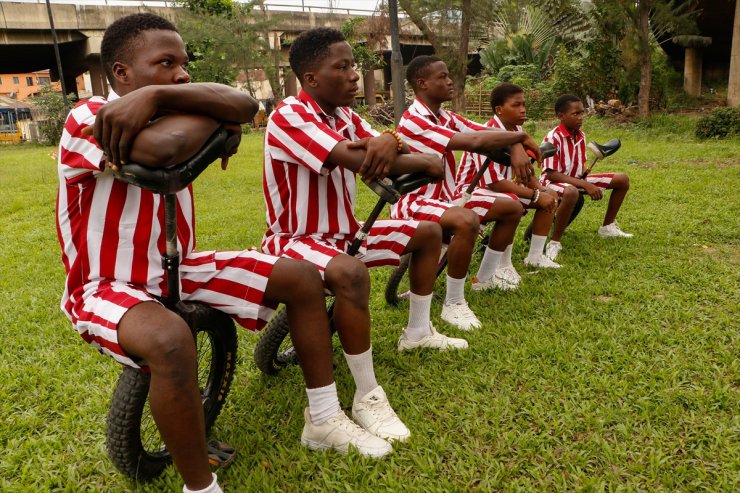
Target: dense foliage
{"type": "Point", "coordinates": [720, 123]}
{"type": "Point", "coordinates": [53, 113]}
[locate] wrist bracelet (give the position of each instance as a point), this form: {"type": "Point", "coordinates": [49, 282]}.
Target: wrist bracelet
{"type": "Point", "coordinates": [536, 195]}
{"type": "Point", "coordinates": [395, 136]}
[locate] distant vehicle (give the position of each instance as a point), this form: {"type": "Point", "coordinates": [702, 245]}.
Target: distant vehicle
{"type": "Point", "coordinates": [10, 132]}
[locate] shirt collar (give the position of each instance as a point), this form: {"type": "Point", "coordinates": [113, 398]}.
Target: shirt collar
{"type": "Point", "coordinates": [338, 115]}
{"type": "Point", "coordinates": [564, 131]}
{"type": "Point", "coordinates": [423, 110]}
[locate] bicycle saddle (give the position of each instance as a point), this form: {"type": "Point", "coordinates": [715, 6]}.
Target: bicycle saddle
{"type": "Point", "coordinates": [391, 189]}
{"type": "Point", "coordinates": [175, 178]}
{"type": "Point", "coordinates": [605, 150]}
{"type": "Point", "coordinates": [503, 155]}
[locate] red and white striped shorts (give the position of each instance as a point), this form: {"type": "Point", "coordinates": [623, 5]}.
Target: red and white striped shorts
{"type": "Point", "coordinates": [383, 246]}
{"type": "Point", "coordinates": [233, 282]}
{"type": "Point", "coordinates": [602, 180]}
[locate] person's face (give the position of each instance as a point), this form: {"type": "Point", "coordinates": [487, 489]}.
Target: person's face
{"type": "Point", "coordinates": [513, 111]}
{"type": "Point", "coordinates": [159, 58]}
{"type": "Point", "coordinates": [572, 116]}
{"type": "Point", "coordinates": [436, 83]}
{"type": "Point", "coordinates": [333, 82]}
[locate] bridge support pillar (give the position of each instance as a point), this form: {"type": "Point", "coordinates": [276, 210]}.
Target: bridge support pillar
{"type": "Point", "coordinates": [97, 76]}
{"type": "Point", "coordinates": [692, 71]}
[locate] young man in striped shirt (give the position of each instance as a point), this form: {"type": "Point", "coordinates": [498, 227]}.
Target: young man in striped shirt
{"type": "Point", "coordinates": [426, 127]}
{"type": "Point", "coordinates": [314, 148]}
{"type": "Point", "coordinates": [509, 113]}
{"type": "Point", "coordinates": [112, 236]}
{"type": "Point", "coordinates": [563, 173]}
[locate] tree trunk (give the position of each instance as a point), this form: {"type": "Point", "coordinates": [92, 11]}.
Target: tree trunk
{"type": "Point", "coordinates": [733, 86]}
{"type": "Point", "coordinates": [646, 65]}
{"type": "Point", "coordinates": [458, 102]}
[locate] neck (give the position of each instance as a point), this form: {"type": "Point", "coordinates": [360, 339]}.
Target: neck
{"type": "Point", "coordinates": [508, 125]}
{"type": "Point", "coordinates": [326, 106]}
{"type": "Point", "coordinates": [432, 103]}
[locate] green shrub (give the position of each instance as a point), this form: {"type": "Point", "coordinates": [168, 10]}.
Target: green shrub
{"type": "Point", "coordinates": [51, 104]}
{"type": "Point", "coordinates": [721, 122]}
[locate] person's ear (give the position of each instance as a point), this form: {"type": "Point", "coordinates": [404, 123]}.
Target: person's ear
{"type": "Point", "coordinates": [497, 110]}
{"type": "Point", "coordinates": [120, 72]}
{"type": "Point", "coordinates": [309, 78]}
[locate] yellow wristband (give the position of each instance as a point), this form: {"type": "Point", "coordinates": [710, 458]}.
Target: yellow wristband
{"type": "Point", "coordinates": [395, 136]}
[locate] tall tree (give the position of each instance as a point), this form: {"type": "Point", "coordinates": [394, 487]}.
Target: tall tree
{"type": "Point", "coordinates": [446, 25]}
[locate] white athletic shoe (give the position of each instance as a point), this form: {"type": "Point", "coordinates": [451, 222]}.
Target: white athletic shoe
{"type": "Point", "coordinates": [553, 249]}
{"type": "Point", "coordinates": [509, 274]}
{"type": "Point", "coordinates": [541, 261]}
{"type": "Point", "coordinates": [339, 433]}
{"type": "Point", "coordinates": [460, 315]}
{"type": "Point", "coordinates": [613, 231]}
{"type": "Point", "coordinates": [494, 282]}
{"type": "Point", "coordinates": [374, 413]}
{"type": "Point", "coordinates": [435, 340]}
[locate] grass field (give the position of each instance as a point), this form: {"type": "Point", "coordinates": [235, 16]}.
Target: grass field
{"type": "Point", "coordinates": [619, 372]}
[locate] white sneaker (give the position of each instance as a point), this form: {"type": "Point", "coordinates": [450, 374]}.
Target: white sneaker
{"type": "Point", "coordinates": [435, 340]}
{"type": "Point", "coordinates": [553, 249]}
{"type": "Point", "coordinates": [375, 414]}
{"type": "Point", "coordinates": [541, 261]}
{"type": "Point", "coordinates": [460, 315]}
{"type": "Point", "coordinates": [509, 274]}
{"type": "Point", "coordinates": [339, 433]}
{"type": "Point", "coordinates": [613, 231]}
{"type": "Point", "coordinates": [494, 281]}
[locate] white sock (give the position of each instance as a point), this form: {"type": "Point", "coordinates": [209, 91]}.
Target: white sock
{"type": "Point", "coordinates": [211, 488]}
{"type": "Point", "coordinates": [489, 264]}
{"type": "Point", "coordinates": [506, 258]}
{"type": "Point", "coordinates": [536, 247]}
{"type": "Point", "coordinates": [455, 290]}
{"type": "Point", "coordinates": [419, 308]}
{"type": "Point", "coordinates": [323, 403]}
{"type": "Point", "coordinates": [361, 367]}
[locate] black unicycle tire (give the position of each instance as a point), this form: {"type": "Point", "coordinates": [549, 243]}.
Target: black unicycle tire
{"type": "Point", "coordinates": [267, 355]}
{"type": "Point", "coordinates": [391, 287]}
{"type": "Point", "coordinates": [577, 208]}
{"type": "Point", "coordinates": [130, 453]}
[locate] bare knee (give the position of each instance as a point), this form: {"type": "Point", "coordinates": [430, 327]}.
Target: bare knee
{"type": "Point", "coordinates": [621, 181]}
{"type": "Point", "coordinates": [460, 222]}
{"type": "Point", "coordinates": [509, 210]}
{"type": "Point", "coordinates": [292, 280]}
{"type": "Point", "coordinates": [428, 235]}
{"type": "Point", "coordinates": [170, 349]}
{"type": "Point", "coordinates": [570, 196]}
{"type": "Point", "coordinates": [348, 279]}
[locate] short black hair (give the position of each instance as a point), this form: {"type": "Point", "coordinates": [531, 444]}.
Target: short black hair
{"type": "Point", "coordinates": [502, 92]}
{"type": "Point", "coordinates": [562, 103]}
{"type": "Point", "coordinates": [312, 47]}
{"type": "Point", "coordinates": [119, 39]}
{"type": "Point", "coordinates": [417, 67]}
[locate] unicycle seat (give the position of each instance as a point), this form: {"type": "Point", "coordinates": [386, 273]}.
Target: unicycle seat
{"type": "Point", "coordinates": [606, 149]}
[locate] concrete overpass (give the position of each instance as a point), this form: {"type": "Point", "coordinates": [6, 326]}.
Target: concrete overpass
{"type": "Point", "coordinates": [26, 43]}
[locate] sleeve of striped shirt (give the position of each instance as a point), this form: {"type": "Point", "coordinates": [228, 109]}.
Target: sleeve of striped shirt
{"type": "Point", "coordinates": [554, 162]}
{"type": "Point", "coordinates": [465, 125]}
{"type": "Point", "coordinates": [296, 136]}
{"type": "Point", "coordinates": [423, 136]}
{"type": "Point", "coordinates": [80, 156]}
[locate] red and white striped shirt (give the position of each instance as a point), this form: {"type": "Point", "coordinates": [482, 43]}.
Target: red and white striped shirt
{"type": "Point", "coordinates": [571, 152]}
{"type": "Point", "coordinates": [108, 229]}
{"type": "Point", "coordinates": [423, 131]}
{"type": "Point", "coordinates": [305, 194]}
{"type": "Point", "coordinates": [471, 162]}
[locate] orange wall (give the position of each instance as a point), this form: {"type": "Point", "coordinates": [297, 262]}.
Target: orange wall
{"type": "Point", "coordinates": [23, 91]}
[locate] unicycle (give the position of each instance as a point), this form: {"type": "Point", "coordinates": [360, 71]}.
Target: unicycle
{"type": "Point", "coordinates": [273, 351]}
{"type": "Point", "coordinates": [132, 439]}
{"type": "Point", "coordinates": [394, 292]}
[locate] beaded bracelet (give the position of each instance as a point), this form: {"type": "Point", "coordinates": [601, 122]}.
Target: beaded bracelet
{"type": "Point", "coordinates": [535, 195]}
{"type": "Point", "coordinates": [395, 136]}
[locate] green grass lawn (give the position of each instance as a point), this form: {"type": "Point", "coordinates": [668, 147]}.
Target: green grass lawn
{"type": "Point", "coordinates": [618, 372]}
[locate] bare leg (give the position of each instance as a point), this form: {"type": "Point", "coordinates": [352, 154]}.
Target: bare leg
{"type": "Point", "coordinates": [462, 224]}
{"type": "Point", "coordinates": [298, 285]}
{"type": "Point", "coordinates": [565, 210]}
{"type": "Point", "coordinates": [542, 222]}
{"type": "Point", "coordinates": [348, 279]}
{"type": "Point", "coordinates": [161, 338]}
{"type": "Point", "coordinates": [620, 185]}
{"type": "Point", "coordinates": [507, 214]}
{"type": "Point", "coordinates": [424, 247]}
